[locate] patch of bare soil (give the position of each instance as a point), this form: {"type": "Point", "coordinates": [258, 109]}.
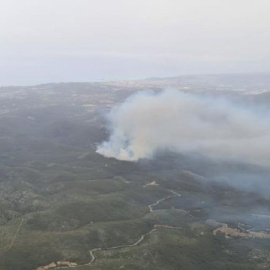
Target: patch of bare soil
{"type": "Point", "coordinates": [239, 233]}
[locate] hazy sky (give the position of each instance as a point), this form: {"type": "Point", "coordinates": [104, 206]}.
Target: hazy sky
{"type": "Point", "coordinates": [84, 40]}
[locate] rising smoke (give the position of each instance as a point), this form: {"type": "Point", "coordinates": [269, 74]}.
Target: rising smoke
{"type": "Point", "coordinates": [187, 123]}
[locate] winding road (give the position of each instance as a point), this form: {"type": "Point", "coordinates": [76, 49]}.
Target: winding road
{"type": "Point", "coordinates": [175, 194]}
{"type": "Point", "coordinates": [163, 199]}
{"type": "Point", "coordinates": [92, 251]}
{"type": "Point", "coordinates": [15, 236]}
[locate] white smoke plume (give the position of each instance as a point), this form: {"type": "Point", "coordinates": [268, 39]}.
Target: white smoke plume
{"type": "Point", "coordinates": [186, 123]}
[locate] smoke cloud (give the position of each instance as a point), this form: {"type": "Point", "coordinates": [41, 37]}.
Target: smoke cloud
{"type": "Point", "coordinates": [187, 123]}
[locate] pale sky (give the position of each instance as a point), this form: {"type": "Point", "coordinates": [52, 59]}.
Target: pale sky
{"type": "Point", "coordinates": [85, 40]}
